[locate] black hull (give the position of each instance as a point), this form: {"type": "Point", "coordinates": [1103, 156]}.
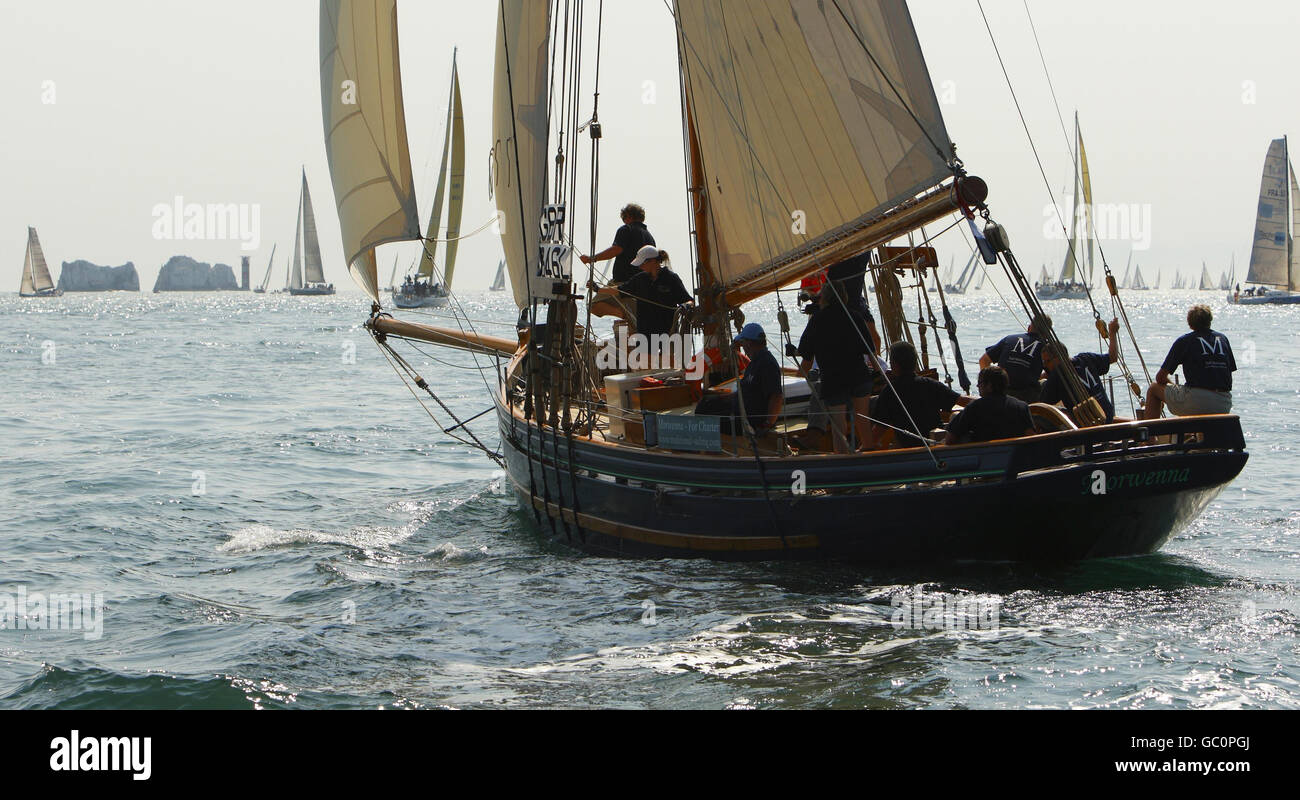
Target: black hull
{"type": "Point", "coordinates": [1020, 500]}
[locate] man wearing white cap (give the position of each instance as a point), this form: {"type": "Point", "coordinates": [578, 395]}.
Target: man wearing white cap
{"type": "Point", "coordinates": [657, 289]}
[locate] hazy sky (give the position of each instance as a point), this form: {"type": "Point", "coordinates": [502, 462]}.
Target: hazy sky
{"type": "Point", "coordinates": [114, 108]}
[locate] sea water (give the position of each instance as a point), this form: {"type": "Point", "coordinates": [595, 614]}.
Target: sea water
{"type": "Point", "coordinates": [228, 500]}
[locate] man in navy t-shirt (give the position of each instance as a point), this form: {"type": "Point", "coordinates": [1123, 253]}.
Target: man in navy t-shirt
{"type": "Point", "coordinates": [1089, 367]}
{"type": "Point", "coordinates": [627, 241]}
{"type": "Point", "coordinates": [1208, 364]}
{"type": "Point", "coordinates": [1021, 355]}
{"type": "Point", "coordinates": [995, 415]}
{"type": "Point", "coordinates": [759, 389]}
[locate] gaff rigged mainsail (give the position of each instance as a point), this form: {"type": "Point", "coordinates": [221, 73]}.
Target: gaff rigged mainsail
{"type": "Point", "coordinates": [809, 118]}
{"type": "Point", "coordinates": [365, 131]}
{"type": "Point", "coordinates": [519, 135]}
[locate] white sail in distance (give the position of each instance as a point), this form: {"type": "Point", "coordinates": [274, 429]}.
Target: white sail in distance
{"type": "Point", "coordinates": [810, 119]}
{"type": "Point", "coordinates": [453, 156]}
{"type": "Point", "coordinates": [1295, 228]}
{"type": "Point", "coordinates": [519, 136]}
{"type": "Point", "coordinates": [36, 273]}
{"type": "Point", "coordinates": [365, 131]}
{"type": "Point", "coordinates": [1270, 249]}
{"type": "Point", "coordinates": [295, 266]}
{"type": "Point", "coordinates": [312, 271]}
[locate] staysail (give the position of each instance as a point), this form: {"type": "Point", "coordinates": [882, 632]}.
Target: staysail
{"type": "Point", "coordinates": [519, 133]}
{"type": "Point", "coordinates": [36, 273]}
{"type": "Point", "coordinates": [806, 120]}
{"type": "Point", "coordinates": [312, 271]}
{"type": "Point", "coordinates": [365, 131]}
{"type": "Point", "coordinates": [1270, 249]}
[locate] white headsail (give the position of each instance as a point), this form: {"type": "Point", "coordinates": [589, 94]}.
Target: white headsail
{"type": "Point", "coordinates": [365, 131]}
{"type": "Point", "coordinates": [1270, 248]}
{"type": "Point", "coordinates": [519, 133]}
{"type": "Point", "coordinates": [810, 118]}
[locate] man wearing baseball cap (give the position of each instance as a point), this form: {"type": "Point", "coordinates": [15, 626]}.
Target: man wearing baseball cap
{"type": "Point", "coordinates": [758, 395]}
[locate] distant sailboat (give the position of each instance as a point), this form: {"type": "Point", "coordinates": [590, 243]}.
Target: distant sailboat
{"type": "Point", "coordinates": [306, 275]}
{"type": "Point", "coordinates": [499, 282]}
{"type": "Point", "coordinates": [1207, 283]}
{"type": "Point", "coordinates": [1138, 283]}
{"type": "Point", "coordinates": [270, 262]}
{"type": "Point", "coordinates": [1229, 277]}
{"type": "Point", "coordinates": [1076, 272]}
{"type": "Point", "coordinates": [425, 291]}
{"type": "Point", "coordinates": [1128, 272]}
{"type": "Point", "coordinates": [1273, 257]}
{"type": "Point", "coordinates": [36, 274]}
{"type": "Point", "coordinates": [963, 281]}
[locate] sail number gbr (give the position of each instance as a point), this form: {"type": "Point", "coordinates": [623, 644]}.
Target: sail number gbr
{"type": "Point", "coordinates": [555, 258]}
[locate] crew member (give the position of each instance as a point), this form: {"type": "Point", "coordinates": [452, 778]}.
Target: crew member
{"type": "Point", "coordinates": [1089, 367]}
{"type": "Point", "coordinates": [758, 396]}
{"type": "Point", "coordinates": [994, 415]}
{"type": "Point", "coordinates": [910, 403]}
{"type": "Point", "coordinates": [657, 289]}
{"type": "Point", "coordinates": [1021, 355]}
{"type": "Point", "coordinates": [628, 241]}
{"type": "Point", "coordinates": [1208, 364]}
{"type": "Point", "coordinates": [836, 338]}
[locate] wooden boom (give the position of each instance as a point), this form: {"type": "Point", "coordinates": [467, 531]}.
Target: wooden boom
{"type": "Point", "coordinates": [476, 342]}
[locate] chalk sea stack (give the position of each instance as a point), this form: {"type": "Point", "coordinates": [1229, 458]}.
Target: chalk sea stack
{"type": "Point", "coordinates": [184, 274]}
{"type": "Point", "coordinates": [83, 276]}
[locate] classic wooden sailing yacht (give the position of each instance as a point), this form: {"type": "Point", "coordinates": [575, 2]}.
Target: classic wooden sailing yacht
{"type": "Point", "coordinates": [1274, 274]}
{"type": "Point", "coordinates": [612, 465]}
{"type": "Point", "coordinates": [424, 290]}
{"type": "Point", "coordinates": [36, 274]}
{"type": "Point", "coordinates": [306, 274]}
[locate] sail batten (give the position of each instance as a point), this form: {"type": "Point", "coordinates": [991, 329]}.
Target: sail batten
{"type": "Point", "coordinates": [801, 137]}
{"type": "Point", "coordinates": [365, 131]}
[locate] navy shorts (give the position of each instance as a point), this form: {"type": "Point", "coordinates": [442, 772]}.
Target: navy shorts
{"type": "Point", "coordinates": [840, 394]}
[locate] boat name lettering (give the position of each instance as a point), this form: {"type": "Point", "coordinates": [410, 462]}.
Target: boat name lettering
{"type": "Point", "coordinates": [1132, 480]}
